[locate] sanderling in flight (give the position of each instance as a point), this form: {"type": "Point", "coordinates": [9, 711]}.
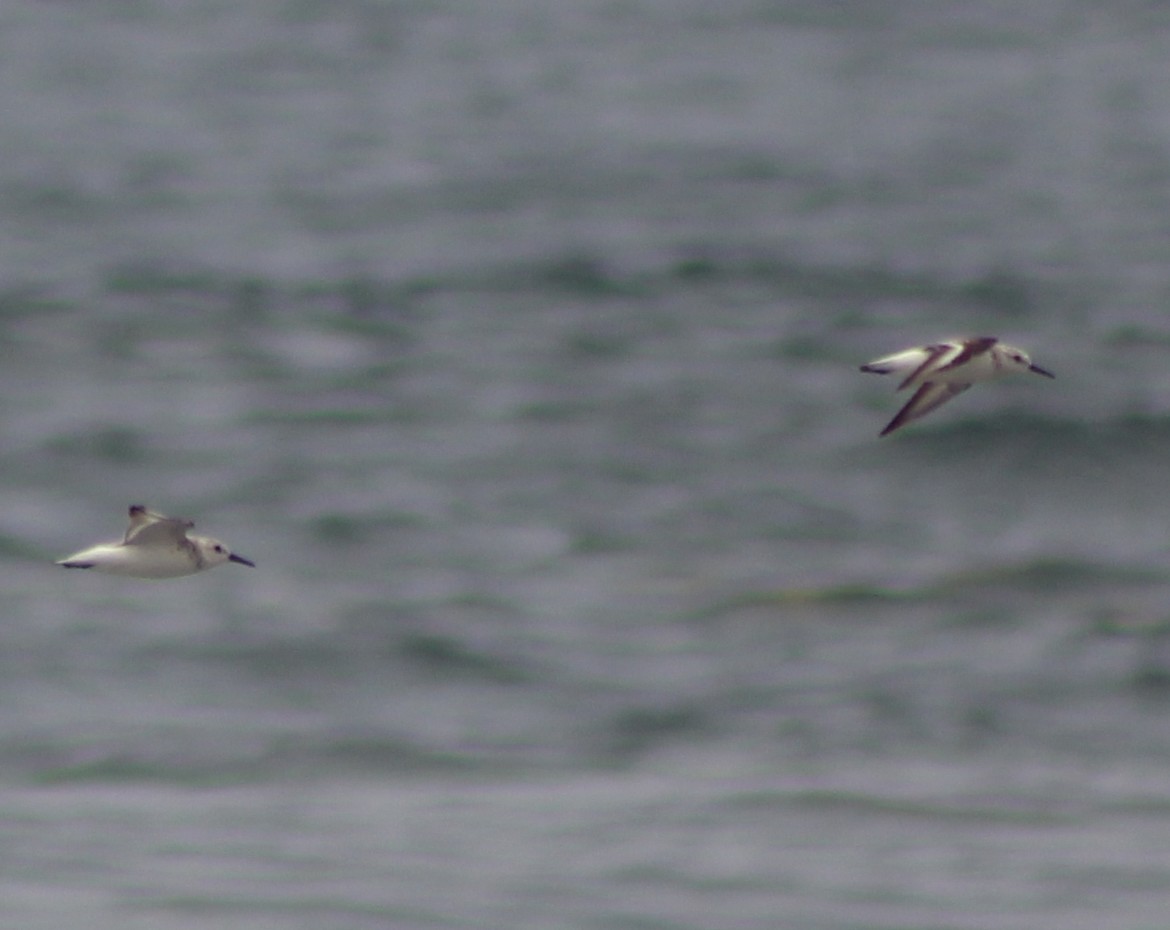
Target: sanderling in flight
{"type": "Point", "coordinates": [946, 369]}
{"type": "Point", "coordinates": [155, 547]}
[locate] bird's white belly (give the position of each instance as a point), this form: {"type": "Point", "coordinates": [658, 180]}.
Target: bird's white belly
{"type": "Point", "coordinates": [139, 561]}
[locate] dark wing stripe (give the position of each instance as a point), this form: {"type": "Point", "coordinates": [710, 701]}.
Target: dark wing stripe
{"type": "Point", "coordinates": [920, 404]}
{"type": "Point", "coordinates": [973, 348]}
{"type": "Point", "coordinates": [932, 354]}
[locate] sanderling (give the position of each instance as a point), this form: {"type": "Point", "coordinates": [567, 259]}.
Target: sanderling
{"type": "Point", "coordinates": [155, 547]}
{"type": "Point", "coordinates": [946, 369]}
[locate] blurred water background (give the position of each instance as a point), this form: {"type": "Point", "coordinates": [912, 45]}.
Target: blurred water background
{"type": "Point", "coordinates": [517, 343]}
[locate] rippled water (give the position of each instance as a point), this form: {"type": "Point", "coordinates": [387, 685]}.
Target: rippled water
{"type": "Point", "coordinates": [517, 345]}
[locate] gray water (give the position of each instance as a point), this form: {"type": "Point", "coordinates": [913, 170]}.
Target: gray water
{"type": "Point", "coordinates": [517, 343]}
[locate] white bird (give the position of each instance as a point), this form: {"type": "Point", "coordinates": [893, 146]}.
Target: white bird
{"type": "Point", "coordinates": [155, 547]}
{"type": "Point", "coordinates": [946, 369]}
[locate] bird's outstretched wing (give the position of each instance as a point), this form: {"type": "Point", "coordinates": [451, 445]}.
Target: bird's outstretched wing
{"type": "Point", "coordinates": [148, 528]}
{"type": "Point", "coordinates": [930, 396]}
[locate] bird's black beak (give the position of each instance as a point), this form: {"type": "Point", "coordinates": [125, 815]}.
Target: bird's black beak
{"type": "Point", "coordinates": [239, 558]}
{"type": "Point", "coordinates": [1041, 371]}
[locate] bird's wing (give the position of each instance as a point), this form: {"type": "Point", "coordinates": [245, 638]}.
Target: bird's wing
{"type": "Point", "coordinates": [150, 528]}
{"type": "Point", "coordinates": [930, 396]}
{"type": "Point", "coordinates": [971, 349]}
{"type": "Point", "coordinates": [933, 354]}
{"type": "Point", "coordinates": [906, 360]}
{"type": "Point", "coordinates": [917, 361]}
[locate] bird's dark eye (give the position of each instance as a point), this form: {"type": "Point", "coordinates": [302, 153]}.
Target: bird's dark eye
{"type": "Point", "coordinates": [219, 548]}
